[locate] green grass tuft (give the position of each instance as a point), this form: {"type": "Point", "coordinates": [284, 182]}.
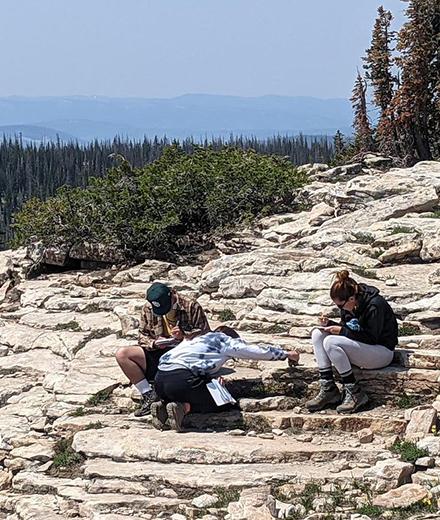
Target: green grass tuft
{"type": "Point", "coordinates": [407, 329]}
{"type": "Point", "coordinates": [100, 397]}
{"type": "Point", "coordinates": [408, 451]}
{"type": "Point", "coordinates": [226, 315]}
{"type": "Point", "coordinates": [226, 495]}
{"type": "Point", "coordinates": [65, 455]}
{"type": "Point", "coordinates": [71, 325]}
{"type": "Point", "coordinates": [406, 401]}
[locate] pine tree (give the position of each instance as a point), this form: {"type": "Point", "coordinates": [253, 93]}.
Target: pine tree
{"type": "Point", "coordinates": [378, 63]}
{"type": "Point", "coordinates": [339, 146]}
{"type": "Point", "coordinates": [363, 139]}
{"type": "Point", "coordinates": [414, 103]}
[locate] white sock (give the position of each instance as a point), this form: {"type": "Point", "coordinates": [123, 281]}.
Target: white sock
{"type": "Point", "coordinates": [143, 386]}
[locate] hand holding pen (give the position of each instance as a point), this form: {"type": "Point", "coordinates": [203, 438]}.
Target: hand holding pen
{"type": "Point", "coordinates": [177, 332]}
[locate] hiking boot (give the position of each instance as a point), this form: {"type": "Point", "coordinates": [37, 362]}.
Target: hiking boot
{"type": "Point", "coordinates": [146, 401]}
{"type": "Point", "coordinates": [354, 398]}
{"type": "Point", "coordinates": [159, 415]}
{"type": "Point", "coordinates": [176, 414]}
{"type": "Point", "coordinates": [329, 394]}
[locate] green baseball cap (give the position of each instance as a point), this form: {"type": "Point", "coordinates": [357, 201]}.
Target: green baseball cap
{"type": "Point", "coordinates": [159, 295]}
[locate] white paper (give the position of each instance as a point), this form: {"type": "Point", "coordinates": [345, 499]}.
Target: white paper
{"type": "Point", "coordinates": [219, 393]}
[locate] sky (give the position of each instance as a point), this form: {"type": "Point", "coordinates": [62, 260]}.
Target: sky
{"type": "Point", "coordinates": [166, 48]}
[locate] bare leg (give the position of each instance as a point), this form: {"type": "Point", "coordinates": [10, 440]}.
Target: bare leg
{"type": "Point", "coordinates": [132, 363]}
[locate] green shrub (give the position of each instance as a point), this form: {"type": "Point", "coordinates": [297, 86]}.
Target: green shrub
{"type": "Point", "coordinates": [408, 451]}
{"type": "Point", "coordinates": [226, 315]}
{"type": "Point", "coordinates": [78, 412]}
{"type": "Point", "coordinates": [178, 201]}
{"type": "Point", "coordinates": [408, 330]}
{"type": "Point", "coordinates": [370, 510]}
{"type": "Point", "coordinates": [363, 237]}
{"type": "Point", "coordinates": [406, 401]}
{"type": "Point", "coordinates": [100, 397]}
{"type": "Point", "coordinates": [65, 456]}
{"type": "Point", "coordinates": [401, 229]}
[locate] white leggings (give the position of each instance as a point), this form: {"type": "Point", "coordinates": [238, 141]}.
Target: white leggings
{"type": "Point", "coordinates": [342, 352]}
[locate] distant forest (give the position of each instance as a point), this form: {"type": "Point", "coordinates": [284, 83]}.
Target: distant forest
{"type": "Point", "coordinates": [38, 170]}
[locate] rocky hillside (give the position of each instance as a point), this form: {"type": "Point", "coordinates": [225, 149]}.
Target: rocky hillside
{"type": "Point", "coordinates": [71, 448]}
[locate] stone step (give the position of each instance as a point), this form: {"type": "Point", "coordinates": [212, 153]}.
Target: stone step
{"type": "Point", "coordinates": [209, 476]}
{"type": "Point", "coordinates": [284, 420]}
{"type": "Point", "coordinates": [382, 384]}
{"type": "Point", "coordinates": [214, 448]}
{"type": "Point", "coordinates": [265, 421]}
{"type": "Point", "coordinates": [415, 358]}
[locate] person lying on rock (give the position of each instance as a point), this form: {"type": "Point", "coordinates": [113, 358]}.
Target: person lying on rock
{"type": "Point", "coordinates": [184, 372]}
{"type": "Point", "coordinates": [166, 319]}
{"type": "Point", "coordinates": [366, 338]}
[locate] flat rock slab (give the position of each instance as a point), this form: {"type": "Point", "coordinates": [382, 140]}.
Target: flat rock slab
{"type": "Point", "coordinates": [38, 361]}
{"type": "Point", "coordinates": [213, 475]}
{"type": "Point", "coordinates": [404, 496]}
{"type": "Point", "coordinates": [335, 422]}
{"type": "Point", "coordinates": [205, 448]}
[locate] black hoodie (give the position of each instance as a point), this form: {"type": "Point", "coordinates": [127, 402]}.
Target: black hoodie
{"type": "Point", "coordinates": [376, 319]}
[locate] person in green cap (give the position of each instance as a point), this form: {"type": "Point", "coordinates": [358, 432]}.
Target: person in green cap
{"type": "Point", "coordinates": [167, 318]}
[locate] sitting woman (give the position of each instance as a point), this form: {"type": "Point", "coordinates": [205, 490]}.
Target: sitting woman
{"type": "Point", "coordinates": [365, 338]}
{"type": "Point", "coordinates": [184, 371]}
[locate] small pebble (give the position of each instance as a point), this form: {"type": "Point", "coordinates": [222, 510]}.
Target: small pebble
{"type": "Point", "coordinates": [236, 433]}
{"type": "Point", "coordinates": [204, 501]}
{"type": "Point", "coordinates": [305, 438]}
{"type": "Point", "coordinates": [266, 435]}
{"type": "Point", "coordinates": [251, 433]}
{"type": "Point", "coordinates": [277, 432]}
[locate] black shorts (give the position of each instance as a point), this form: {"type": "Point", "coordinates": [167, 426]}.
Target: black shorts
{"type": "Point", "coordinates": [152, 358]}
{"type": "Point", "coordinates": [180, 386]}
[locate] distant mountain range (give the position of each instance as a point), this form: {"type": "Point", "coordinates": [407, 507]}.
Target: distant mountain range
{"type": "Point", "coordinates": [198, 115]}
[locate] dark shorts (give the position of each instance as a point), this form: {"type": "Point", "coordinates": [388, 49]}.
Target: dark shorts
{"type": "Point", "coordinates": [179, 386]}
{"type": "Point", "coordinates": [152, 358]}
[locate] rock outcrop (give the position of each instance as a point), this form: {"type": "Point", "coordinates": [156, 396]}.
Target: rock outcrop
{"type": "Point", "coordinates": [70, 447]}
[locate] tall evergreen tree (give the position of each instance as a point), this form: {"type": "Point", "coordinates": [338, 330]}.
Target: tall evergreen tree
{"type": "Point", "coordinates": [378, 64]}
{"type": "Point", "coordinates": [363, 138]}
{"type": "Point", "coordinates": [339, 146]}
{"type": "Point", "coordinates": [414, 102]}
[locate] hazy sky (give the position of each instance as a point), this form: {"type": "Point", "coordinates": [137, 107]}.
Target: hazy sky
{"type": "Point", "coordinates": [164, 48]}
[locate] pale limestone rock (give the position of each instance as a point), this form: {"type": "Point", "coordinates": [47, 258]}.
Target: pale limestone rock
{"type": "Point", "coordinates": [38, 296]}
{"type": "Point", "coordinates": [425, 462]}
{"type": "Point", "coordinates": [254, 504]}
{"type": "Point", "coordinates": [267, 403]}
{"type": "Point", "coordinates": [430, 251]}
{"type": "Point", "coordinates": [66, 321]}
{"type": "Point", "coordinates": [39, 451]}
{"type": "Point", "coordinates": [404, 496]}
{"type": "Point", "coordinates": [35, 362]}
{"type": "Point", "coordinates": [430, 443]}
{"type": "Point", "coordinates": [424, 199]}
{"type": "Point", "coordinates": [204, 501]}
{"type": "Point", "coordinates": [365, 436]}
{"type": "Point", "coordinates": [33, 482]}
{"type": "Point", "coordinates": [421, 423]}
{"type": "Point", "coordinates": [390, 473]}
{"type": "Point", "coordinates": [5, 479]}
{"type": "Point", "coordinates": [407, 246]}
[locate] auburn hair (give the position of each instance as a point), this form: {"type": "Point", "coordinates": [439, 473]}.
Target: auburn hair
{"type": "Point", "coordinates": [344, 287]}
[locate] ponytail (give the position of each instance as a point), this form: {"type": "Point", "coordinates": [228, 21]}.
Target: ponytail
{"type": "Point", "coordinates": [344, 287]}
